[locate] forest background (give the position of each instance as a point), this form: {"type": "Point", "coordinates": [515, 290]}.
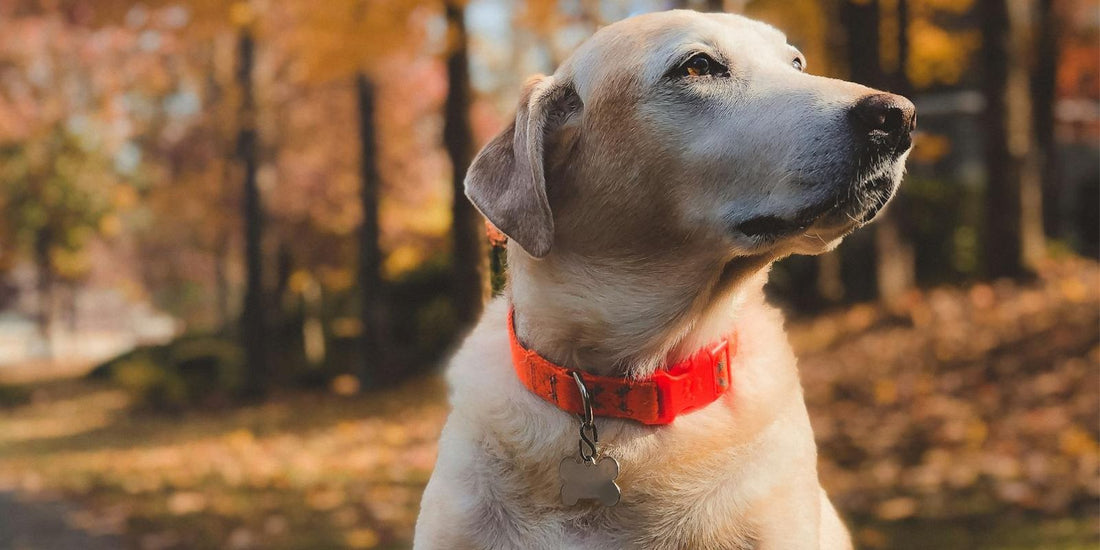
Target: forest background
{"type": "Point", "coordinates": [233, 259]}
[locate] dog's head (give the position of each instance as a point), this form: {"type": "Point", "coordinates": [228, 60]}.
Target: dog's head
{"type": "Point", "coordinates": [680, 127]}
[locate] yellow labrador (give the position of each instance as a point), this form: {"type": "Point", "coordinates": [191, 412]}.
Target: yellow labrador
{"type": "Point", "coordinates": [646, 187]}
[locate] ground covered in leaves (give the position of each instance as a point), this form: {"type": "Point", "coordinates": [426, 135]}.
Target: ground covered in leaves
{"type": "Point", "coordinates": [968, 411]}
{"type": "Point", "coordinates": [963, 418]}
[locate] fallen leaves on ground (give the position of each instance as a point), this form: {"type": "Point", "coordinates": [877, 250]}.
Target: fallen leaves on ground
{"type": "Point", "coordinates": [304, 471]}
{"type": "Point", "coordinates": [957, 402]}
{"type": "Point", "coordinates": [961, 401]}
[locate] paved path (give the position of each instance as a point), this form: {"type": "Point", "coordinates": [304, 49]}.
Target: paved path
{"type": "Point", "coordinates": [42, 525]}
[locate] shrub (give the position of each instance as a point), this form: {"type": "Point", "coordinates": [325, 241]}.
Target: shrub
{"type": "Point", "coordinates": [189, 372]}
{"type": "Point", "coordinates": [151, 385]}
{"type": "Point", "coordinates": [11, 396]}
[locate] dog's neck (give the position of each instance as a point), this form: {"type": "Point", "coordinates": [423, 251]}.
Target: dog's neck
{"type": "Point", "coordinates": [626, 318]}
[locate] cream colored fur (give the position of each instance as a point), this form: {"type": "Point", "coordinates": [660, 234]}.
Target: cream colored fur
{"type": "Point", "coordinates": [622, 189]}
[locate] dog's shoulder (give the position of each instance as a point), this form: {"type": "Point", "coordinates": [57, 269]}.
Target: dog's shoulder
{"type": "Point", "coordinates": [484, 360]}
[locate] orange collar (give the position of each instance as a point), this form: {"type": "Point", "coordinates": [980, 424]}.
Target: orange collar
{"type": "Point", "coordinates": [683, 387]}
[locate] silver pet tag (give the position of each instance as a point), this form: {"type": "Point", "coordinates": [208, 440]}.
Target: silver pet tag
{"type": "Point", "coordinates": [584, 480]}
{"type": "Point", "coordinates": [588, 476]}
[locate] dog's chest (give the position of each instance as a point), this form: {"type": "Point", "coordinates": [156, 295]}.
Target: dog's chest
{"type": "Point", "coordinates": [694, 484]}
{"type": "Point", "coordinates": [698, 499]}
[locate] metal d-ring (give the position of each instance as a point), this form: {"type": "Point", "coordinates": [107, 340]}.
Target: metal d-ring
{"type": "Point", "coordinates": [589, 436]}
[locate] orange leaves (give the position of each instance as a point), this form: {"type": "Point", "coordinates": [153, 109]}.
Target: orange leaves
{"type": "Point", "coordinates": [973, 401]}
{"type": "Point", "coordinates": [1075, 441]}
{"type": "Point", "coordinates": [896, 508]}
{"type": "Point", "coordinates": [807, 24]}
{"type": "Point", "coordinates": [939, 56]}
{"type": "Point", "coordinates": [241, 14]}
{"type": "Point", "coordinates": [929, 148]}
{"type": "Point", "coordinates": [361, 538]}
{"type": "Point", "coordinates": [349, 35]}
{"type": "Point", "coordinates": [347, 474]}
{"type": "Point", "coordinates": [982, 395]}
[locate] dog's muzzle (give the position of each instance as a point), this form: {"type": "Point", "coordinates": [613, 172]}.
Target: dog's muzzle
{"type": "Point", "coordinates": [881, 129]}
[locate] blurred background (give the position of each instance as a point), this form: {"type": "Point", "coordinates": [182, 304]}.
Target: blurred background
{"type": "Point", "coordinates": [232, 262]}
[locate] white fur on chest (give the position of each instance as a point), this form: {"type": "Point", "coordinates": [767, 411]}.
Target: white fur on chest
{"type": "Point", "coordinates": [698, 478]}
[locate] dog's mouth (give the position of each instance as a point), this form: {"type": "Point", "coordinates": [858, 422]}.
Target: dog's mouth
{"type": "Point", "coordinates": [852, 206]}
{"type": "Point", "coordinates": [849, 195]}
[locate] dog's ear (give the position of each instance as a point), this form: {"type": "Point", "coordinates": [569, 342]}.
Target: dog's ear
{"type": "Point", "coordinates": [507, 180]}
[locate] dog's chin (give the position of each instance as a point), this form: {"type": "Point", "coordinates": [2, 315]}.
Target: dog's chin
{"type": "Point", "coordinates": [820, 226]}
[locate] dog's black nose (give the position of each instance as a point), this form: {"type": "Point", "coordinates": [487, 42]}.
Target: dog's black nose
{"type": "Point", "coordinates": [886, 115]}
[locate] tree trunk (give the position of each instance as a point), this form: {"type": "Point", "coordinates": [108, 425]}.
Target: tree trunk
{"type": "Point", "coordinates": [467, 230]}
{"type": "Point", "coordinates": [699, 5]}
{"type": "Point", "coordinates": [253, 319]}
{"type": "Point", "coordinates": [830, 281]}
{"type": "Point", "coordinates": [44, 267]}
{"type": "Point", "coordinates": [895, 259]}
{"type": "Point", "coordinates": [1012, 202]}
{"type": "Point", "coordinates": [373, 306]}
{"type": "Point", "coordinates": [221, 284]}
{"type": "Point", "coordinates": [861, 25]}
{"type": "Point", "coordinates": [895, 268]}
{"type": "Point", "coordinates": [1047, 53]}
{"type": "Point", "coordinates": [223, 247]}
{"type": "Point", "coordinates": [1024, 143]}
{"type": "Point", "coordinates": [855, 262]}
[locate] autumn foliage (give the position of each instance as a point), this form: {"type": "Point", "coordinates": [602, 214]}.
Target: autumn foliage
{"type": "Point", "coordinates": [150, 162]}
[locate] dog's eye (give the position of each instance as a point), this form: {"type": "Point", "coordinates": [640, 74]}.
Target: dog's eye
{"type": "Point", "coordinates": [702, 64]}
{"type": "Point", "coordinates": [698, 65]}
{"type": "Point", "coordinates": [799, 64]}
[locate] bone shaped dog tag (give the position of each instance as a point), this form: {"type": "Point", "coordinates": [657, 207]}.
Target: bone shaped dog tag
{"type": "Point", "coordinates": [583, 480]}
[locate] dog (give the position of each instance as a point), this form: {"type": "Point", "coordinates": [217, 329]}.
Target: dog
{"type": "Point", "coordinates": [645, 188]}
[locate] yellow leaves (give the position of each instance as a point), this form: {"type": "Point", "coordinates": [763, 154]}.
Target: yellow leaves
{"type": "Point", "coordinates": [241, 14]}
{"type": "Point", "coordinates": [896, 508]}
{"type": "Point", "coordinates": [300, 280]}
{"type": "Point", "coordinates": [124, 197]}
{"type": "Point", "coordinates": [1074, 290]}
{"type": "Point", "coordinates": [395, 436]}
{"type": "Point", "coordinates": [929, 148]}
{"type": "Point", "coordinates": [348, 35]}
{"type": "Point", "coordinates": [402, 259]}
{"type": "Point", "coordinates": [344, 385]}
{"type": "Point", "coordinates": [240, 439]}
{"type": "Point", "coordinates": [956, 7]}
{"type": "Point", "coordinates": [361, 538]}
{"type": "Point", "coordinates": [1008, 421]}
{"type": "Point", "coordinates": [886, 391]}
{"type": "Point", "coordinates": [976, 432]}
{"type": "Point", "coordinates": [939, 56]}
{"type": "Point", "coordinates": [337, 279]}
{"type": "Point", "coordinates": [325, 498]}
{"type": "Point", "coordinates": [110, 226]}
{"type": "Point", "coordinates": [413, 220]}
{"type": "Point", "coordinates": [1001, 465]}
{"type": "Point", "coordinates": [806, 24]}
{"type": "Point", "coordinates": [346, 327]}
{"type": "Point", "coordinates": [541, 16]}
{"type": "Point", "coordinates": [186, 502]}
{"type": "Point", "coordinates": [1075, 441]}
{"type": "Point", "coordinates": [981, 391]}
{"type": "Point", "coordinates": [870, 537]}
{"type": "Point", "coordinates": [70, 264]}
{"type": "Point", "coordinates": [860, 317]}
